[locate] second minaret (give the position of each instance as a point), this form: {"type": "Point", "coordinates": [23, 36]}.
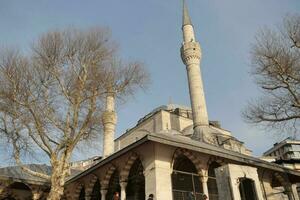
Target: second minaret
{"type": "Point", "coordinates": [191, 57]}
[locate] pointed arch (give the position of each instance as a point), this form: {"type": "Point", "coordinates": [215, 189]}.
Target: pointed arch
{"type": "Point", "coordinates": [114, 184]}
{"type": "Point", "coordinates": [96, 192]}
{"type": "Point", "coordinates": [27, 192]}
{"type": "Point", "coordinates": [105, 181]}
{"type": "Point", "coordinates": [82, 194]}
{"type": "Point", "coordinates": [186, 176]}
{"type": "Point", "coordinates": [68, 194]}
{"type": "Point", "coordinates": [90, 185]}
{"type": "Point", "coordinates": [284, 182]}
{"type": "Point", "coordinates": [213, 163]}
{"type": "Point", "coordinates": [7, 194]}
{"type": "Point", "coordinates": [77, 191]}
{"type": "Point", "coordinates": [215, 159]}
{"type": "Point", "coordinates": [281, 178]}
{"type": "Point", "coordinates": [194, 159]}
{"type": "Point", "coordinates": [126, 169]}
{"type": "Point", "coordinates": [136, 181]}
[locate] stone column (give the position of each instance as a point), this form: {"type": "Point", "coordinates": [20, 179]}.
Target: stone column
{"type": "Point", "coordinates": [291, 192]}
{"type": "Point", "coordinates": [157, 171]}
{"type": "Point", "coordinates": [204, 180]}
{"type": "Point", "coordinates": [109, 120]}
{"type": "Point", "coordinates": [37, 193]}
{"type": "Point", "coordinates": [123, 185]}
{"type": "Point", "coordinates": [2, 191]}
{"type": "Point", "coordinates": [103, 194]}
{"type": "Point", "coordinates": [2, 188]}
{"type": "Point", "coordinates": [87, 196]}
{"type": "Point", "coordinates": [295, 192]}
{"type": "Point", "coordinates": [36, 196]}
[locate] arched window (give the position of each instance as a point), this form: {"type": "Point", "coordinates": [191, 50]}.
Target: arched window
{"type": "Point", "coordinates": [186, 183]}
{"type": "Point", "coordinates": [96, 194]}
{"type": "Point", "coordinates": [279, 191]}
{"type": "Point", "coordinates": [247, 189]}
{"type": "Point", "coordinates": [82, 194]}
{"type": "Point", "coordinates": [114, 185]}
{"type": "Point", "coordinates": [135, 189]}
{"type": "Point", "coordinates": [212, 181]}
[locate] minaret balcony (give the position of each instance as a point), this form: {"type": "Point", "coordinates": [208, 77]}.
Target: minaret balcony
{"type": "Point", "coordinates": [191, 53]}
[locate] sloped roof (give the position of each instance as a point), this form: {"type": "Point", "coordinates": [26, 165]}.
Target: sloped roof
{"type": "Point", "coordinates": [15, 173]}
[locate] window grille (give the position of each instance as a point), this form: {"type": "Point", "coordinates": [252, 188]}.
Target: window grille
{"type": "Point", "coordinates": [247, 189]}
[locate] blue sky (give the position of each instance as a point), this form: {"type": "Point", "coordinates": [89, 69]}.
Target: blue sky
{"type": "Point", "coordinates": [150, 31]}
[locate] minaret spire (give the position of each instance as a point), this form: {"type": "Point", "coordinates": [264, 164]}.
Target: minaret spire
{"type": "Point", "coordinates": [186, 20]}
{"type": "Point", "coordinates": [187, 27]}
{"type": "Point", "coordinates": [191, 57]}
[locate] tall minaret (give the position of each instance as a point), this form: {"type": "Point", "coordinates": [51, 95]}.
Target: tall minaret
{"type": "Point", "coordinates": [109, 120]}
{"type": "Point", "coordinates": [191, 56]}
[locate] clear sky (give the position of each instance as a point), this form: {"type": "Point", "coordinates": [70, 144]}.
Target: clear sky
{"type": "Point", "coordinates": [150, 31]}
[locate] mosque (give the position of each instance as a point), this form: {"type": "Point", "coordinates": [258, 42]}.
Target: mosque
{"type": "Point", "coordinates": [176, 153]}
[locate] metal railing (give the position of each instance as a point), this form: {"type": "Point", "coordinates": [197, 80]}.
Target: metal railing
{"type": "Point", "coordinates": [186, 195]}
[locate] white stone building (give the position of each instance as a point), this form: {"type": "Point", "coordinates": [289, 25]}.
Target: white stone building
{"type": "Point", "coordinates": [286, 153]}
{"type": "Point", "coordinates": [176, 153]}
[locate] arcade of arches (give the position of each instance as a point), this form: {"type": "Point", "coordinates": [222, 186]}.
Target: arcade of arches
{"type": "Point", "coordinates": [132, 187]}
{"type": "Point", "coordinates": [176, 174]}
{"type": "Point", "coordinates": [22, 191]}
{"type": "Point", "coordinates": [187, 181]}
{"type": "Point", "coordinates": [173, 173]}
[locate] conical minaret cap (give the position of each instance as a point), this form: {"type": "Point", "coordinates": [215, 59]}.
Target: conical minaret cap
{"type": "Point", "coordinates": [186, 20]}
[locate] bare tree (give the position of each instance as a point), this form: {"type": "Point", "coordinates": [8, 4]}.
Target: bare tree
{"type": "Point", "coordinates": [276, 69]}
{"type": "Point", "coordinates": [54, 98]}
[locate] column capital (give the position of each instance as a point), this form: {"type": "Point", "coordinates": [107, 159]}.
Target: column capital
{"type": "Point", "coordinates": [204, 178]}
{"type": "Point", "coordinates": [123, 184]}
{"type": "Point", "coordinates": [37, 192]}
{"type": "Point", "coordinates": [36, 195]}
{"type": "Point", "coordinates": [103, 191]}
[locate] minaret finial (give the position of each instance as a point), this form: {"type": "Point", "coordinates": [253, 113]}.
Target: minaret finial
{"type": "Point", "coordinates": [186, 20]}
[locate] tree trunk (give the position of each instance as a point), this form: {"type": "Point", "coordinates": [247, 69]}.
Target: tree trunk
{"type": "Point", "coordinates": [57, 184]}
{"type": "Point", "coordinates": [60, 170]}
